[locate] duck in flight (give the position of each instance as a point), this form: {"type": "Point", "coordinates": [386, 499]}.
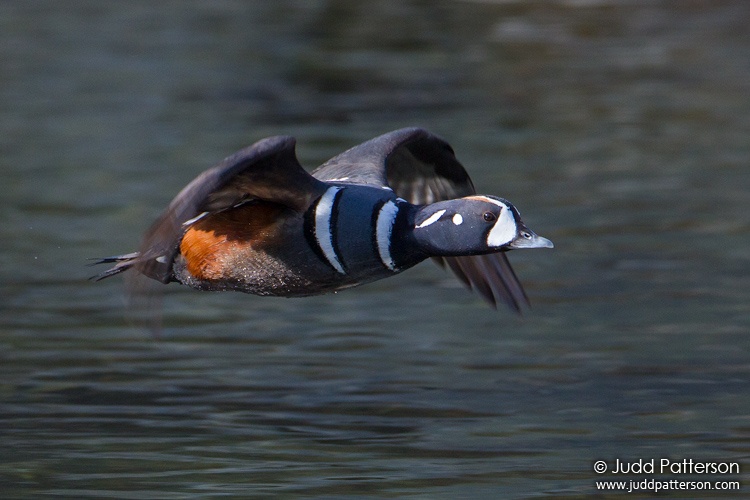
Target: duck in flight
{"type": "Point", "coordinates": [259, 223]}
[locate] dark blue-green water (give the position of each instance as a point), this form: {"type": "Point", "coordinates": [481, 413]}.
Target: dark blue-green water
{"type": "Point", "coordinates": [621, 130]}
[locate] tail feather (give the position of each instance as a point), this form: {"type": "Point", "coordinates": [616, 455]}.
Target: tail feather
{"type": "Point", "coordinates": [122, 263]}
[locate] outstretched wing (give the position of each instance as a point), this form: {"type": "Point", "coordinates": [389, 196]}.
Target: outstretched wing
{"type": "Point", "coordinates": [422, 168]}
{"type": "Point", "coordinates": [268, 170]}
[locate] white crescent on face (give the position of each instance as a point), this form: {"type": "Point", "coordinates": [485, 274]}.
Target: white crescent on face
{"type": "Point", "coordinates": [504, 230]}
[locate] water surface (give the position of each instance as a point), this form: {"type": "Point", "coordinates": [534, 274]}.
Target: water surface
{"type": "Point", "coordinates": [619, 128]}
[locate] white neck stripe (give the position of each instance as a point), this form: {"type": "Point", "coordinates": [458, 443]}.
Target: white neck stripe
{"type": "Point", "coordinates": [384, 231]}
{"type": "Point", "coordinates": [323, 232]}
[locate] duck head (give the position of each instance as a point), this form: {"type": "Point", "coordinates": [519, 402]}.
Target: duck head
{"type": "Point", "coordinates": [473, 225]}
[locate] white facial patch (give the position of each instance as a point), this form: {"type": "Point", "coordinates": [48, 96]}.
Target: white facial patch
{"type": "Point", "coordinates": [323, 233]}
{"type": "Point", "coordinates": [504, 229]}
{"type": "Point", "coordinates": [458, 220]}
{"type": "Point", "coordinates": [383, 232]}
{"type": "Point", "coordinates": [431, 219]}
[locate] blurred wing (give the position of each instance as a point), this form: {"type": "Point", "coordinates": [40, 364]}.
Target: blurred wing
{"type": "Point", "coordinates": [268, 170]}
{"type": "Point", "coordinates": [418, 166]}
{"type": "Point", "coordinates": [422, 168]}
{"type": "Point", "coordinates": [491, 276]}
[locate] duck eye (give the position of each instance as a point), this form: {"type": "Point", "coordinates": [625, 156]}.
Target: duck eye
{"type": "Point", "coordinates": [526, 235]}
{"type": "Point", "coordinates": [489, 216]}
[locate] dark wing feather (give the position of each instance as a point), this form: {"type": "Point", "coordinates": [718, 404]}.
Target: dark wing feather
{"type": "Point", "coordinates": [418, 166]}
{"type": "Point", "coordinates": [422, 168]}
{"type": "Point", "coordinates": [491, 276]}
{"type": "Point", "coordinates": [268, 170]}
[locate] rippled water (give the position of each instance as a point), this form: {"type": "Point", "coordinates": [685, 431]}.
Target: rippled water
{"type": "Point", "coordinates": [619, 128]}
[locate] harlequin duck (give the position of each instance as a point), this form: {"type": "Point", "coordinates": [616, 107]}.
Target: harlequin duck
{"type": "Point", "coordinates": [258, 223]}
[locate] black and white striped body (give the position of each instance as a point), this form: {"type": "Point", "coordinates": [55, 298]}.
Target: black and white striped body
{"type": "Point", "coordinates": [359, 231]}
{"type": "Point", "coordinates": [349, 236]}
